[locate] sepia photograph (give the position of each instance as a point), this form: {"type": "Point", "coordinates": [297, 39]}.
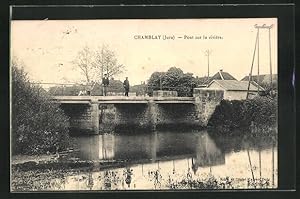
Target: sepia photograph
{"type": "Point", "coordinates": [144, 104]}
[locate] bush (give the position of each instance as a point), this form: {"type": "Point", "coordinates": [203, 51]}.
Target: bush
{"type": "Point", "coordinates": [38, 125]}
{"type": "Point", "coordinates": [174, 80]}
{"type": "Point", "coordinates": [259, 112]}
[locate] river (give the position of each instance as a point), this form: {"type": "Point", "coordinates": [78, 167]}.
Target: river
{"type": "Point", "coordinates": [173, 160]}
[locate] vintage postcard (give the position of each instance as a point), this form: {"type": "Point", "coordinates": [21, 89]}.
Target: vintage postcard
{"type": "Point", "coordinates": [144, 104]}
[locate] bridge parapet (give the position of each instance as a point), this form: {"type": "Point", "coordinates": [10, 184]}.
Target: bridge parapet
{"type": "Point", "coordinates": [120, 99]}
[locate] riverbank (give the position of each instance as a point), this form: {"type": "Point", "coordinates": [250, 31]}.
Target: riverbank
{"type": "Point", "coordinates": [41, 173]}
{"type": "Point", "coordinates": [57, 180]}
{"type": "Point", "coordinates": [21, 159]}
{"type": "Point", "coordinates": [259, 115]}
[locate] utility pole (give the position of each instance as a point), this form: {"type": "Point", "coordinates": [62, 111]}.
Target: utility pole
{"type": "Point", "coordinates": [270, 55]}
{"type": "Point", "coordinates": [258, 59]}
{"type": "Point", "coordinates": [264, 26]}
{"type": "Point", "coordinates": [207, 53]}
{"type": "Point", "coordinates": [252, 64]}
{"type": "Point", "coordinates": [102, 71]}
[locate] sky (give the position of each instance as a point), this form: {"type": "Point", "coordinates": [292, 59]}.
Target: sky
{"type": "Point", "coordinates": [48, 47]}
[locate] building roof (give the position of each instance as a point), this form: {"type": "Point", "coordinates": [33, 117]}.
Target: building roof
{"type": "Point", "coordinates": [262, 78]}
{"type": "Point", "coordinates": [221, 75]}
{"type": "Point", "coordinates": [235, 85]}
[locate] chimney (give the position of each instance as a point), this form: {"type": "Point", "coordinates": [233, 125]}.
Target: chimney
{"type": "Point", "coordinates": [220, 72]}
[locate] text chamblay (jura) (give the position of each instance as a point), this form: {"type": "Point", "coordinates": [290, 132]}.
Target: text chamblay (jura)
{"type": "Point", "coordinates": [154, 37]}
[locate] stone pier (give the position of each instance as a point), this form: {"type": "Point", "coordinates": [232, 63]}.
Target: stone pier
{"type": "Point", "coordinates": [206, 101]}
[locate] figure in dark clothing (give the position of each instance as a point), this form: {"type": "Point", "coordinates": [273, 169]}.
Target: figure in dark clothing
{"type": "Point", "coordinates": [126, 86]}
{"type": "Point", "coordinates": [128, 174]}
{"type": "Point", "coordinates": [105, 82]}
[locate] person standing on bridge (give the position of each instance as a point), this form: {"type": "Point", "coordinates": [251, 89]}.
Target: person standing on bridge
{"type": "Point", "coordinates": [105, 82]}
{"type": "Point", "coordinates": [126, 86]}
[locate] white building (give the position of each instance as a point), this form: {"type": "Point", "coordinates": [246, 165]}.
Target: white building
{"type": "Point", "coordinates": [234, 89]}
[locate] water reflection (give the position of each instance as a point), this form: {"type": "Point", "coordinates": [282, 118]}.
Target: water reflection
{"type": "Point", "coordinates": [207, 153]}
{"type": "Point", "coordinates": [175, 160]}
{"type": "Point", "coordinates": [152, 147]}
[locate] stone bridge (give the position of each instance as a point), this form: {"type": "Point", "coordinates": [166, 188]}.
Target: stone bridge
{"type": "Point", "coordinates": [94, 114]}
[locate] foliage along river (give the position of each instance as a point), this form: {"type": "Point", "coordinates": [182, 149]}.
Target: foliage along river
{"type": "Point", "coordinates": [172, 160]}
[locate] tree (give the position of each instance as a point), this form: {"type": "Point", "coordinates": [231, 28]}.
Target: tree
{"type": "Point", "coordinates": [94, 63]}
{"type": "Point", "coordinates": [115, 86]}
{"type": "Point", "coordinates": [106, 62]}
{"type": "Point", "coordinates": [38, 125]}
{"type": "Point", "coordinates": [155, 80]}
{"type": "Point", "coordinates": [174, 79]}
{"type": "Point", "coordinates": [84, 62]}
